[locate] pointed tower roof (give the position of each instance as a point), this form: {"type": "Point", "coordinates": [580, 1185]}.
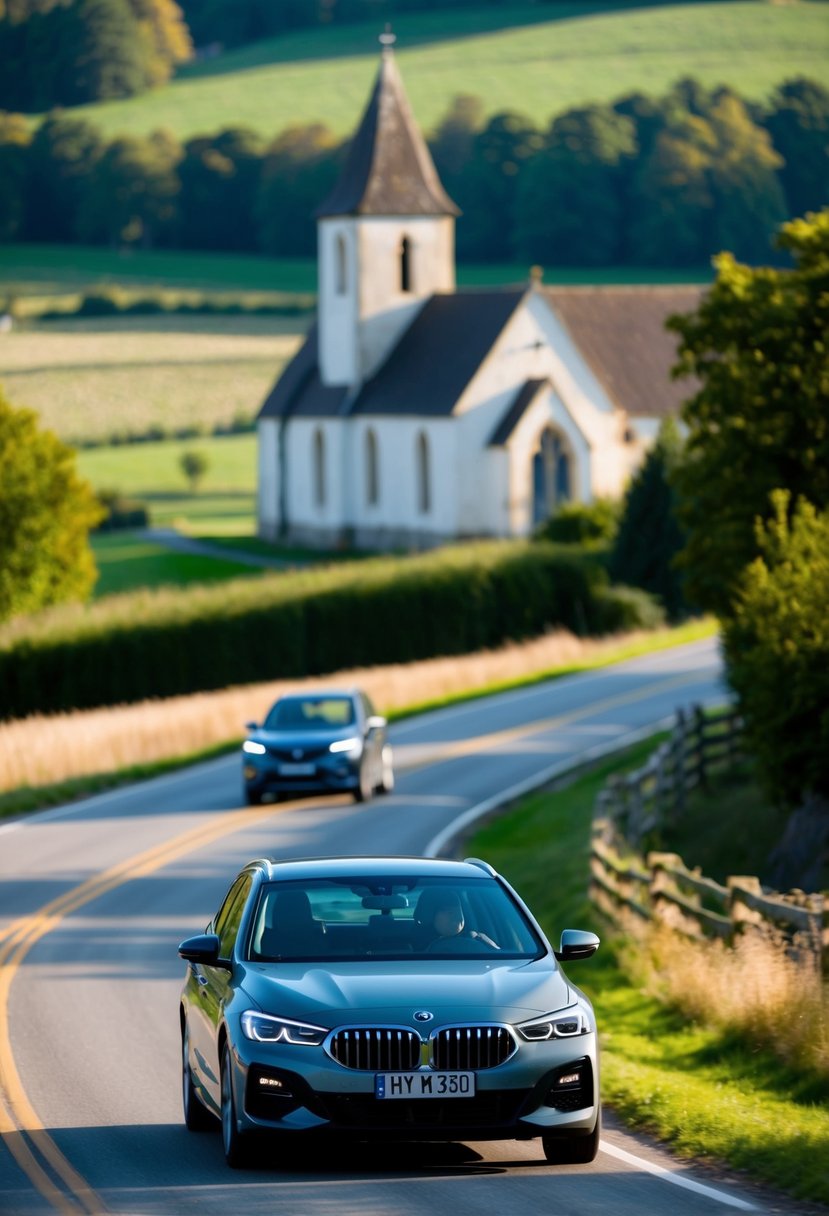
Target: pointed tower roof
{"type": "Point", "coordinates": [388, 168]}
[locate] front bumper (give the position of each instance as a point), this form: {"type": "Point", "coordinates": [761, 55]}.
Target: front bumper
{"type": "Point", "coordinates": [328, 777]}
{"type": "Point", "coordinates": [299, 1089]}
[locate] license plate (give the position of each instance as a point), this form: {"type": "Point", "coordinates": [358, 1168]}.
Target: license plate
{"type": "Point", "coordinates": [424, 1085]}
{"type": "Point", "coordinates": [297, 770]}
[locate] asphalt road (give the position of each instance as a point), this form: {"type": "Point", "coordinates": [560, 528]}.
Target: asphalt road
{"type": "Point", "coordinates": [94, 898]}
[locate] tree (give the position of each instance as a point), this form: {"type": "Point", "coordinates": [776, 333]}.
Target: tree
{"type": "Point", "coordinates": [63, 156]}
{"type": "Point", "coordinates": [777, 650]}
{"type": "Point", "coordinates": [103, 53]}
{"type": "Point", "coordinates": [649, 535]}
{"type": "Point", "coordinates": [132, 196]}
{"type": "Point", "coordinates": [300, 169]}
{"type": "Point", "coordinates": [453, 141]}
{"type": "Point", "coordinates": [194, 466]}
{"type": "Point", "coordinates": [220, 178]}
{"type": "Point", "coordinates": [569, 208]}
{"type": "Point", "coordinates": [757, 422]}
{"type": "Point", "coordinates": [165, 35]}
{"type": "Point", "coordinates": [14, 154]}
{"type": "Point", "coordinates": [486, 193]}
{"type": "Point", "coordinates": [798, 123]}
{"type": "Point", "coordinates": [46, 513]}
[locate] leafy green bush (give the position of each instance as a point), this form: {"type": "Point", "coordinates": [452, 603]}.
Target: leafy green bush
{"type": "Point", "coordinates": [290, 625]}
{"type": "Point", "coordinates": [121, 512]}
{"type": "Point", "coordinates": [582, 523]}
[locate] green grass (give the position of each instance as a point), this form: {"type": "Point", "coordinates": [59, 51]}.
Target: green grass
{"type": "Point", "coordinates": [705, 1093]}
{"type": "Point", "coordinates": [541, 66]}
{"type": "Point", "coordinates": [126, 562]}
{"type": "Point", "coordinates": [39, 277]}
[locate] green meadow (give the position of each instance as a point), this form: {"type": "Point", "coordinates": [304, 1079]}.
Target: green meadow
{"type": "Point", "coordinates": [539, 60]}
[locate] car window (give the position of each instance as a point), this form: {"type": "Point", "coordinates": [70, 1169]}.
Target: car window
{"type": "Point", "coordinates": [311, 713]}
{"type": "Point", "coordinates": [226, 925]}
{"type": "Point", "coordinates": [357, 918]}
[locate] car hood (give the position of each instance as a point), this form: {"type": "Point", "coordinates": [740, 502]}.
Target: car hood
{"type": "Point", "coordinates": [451, 991]}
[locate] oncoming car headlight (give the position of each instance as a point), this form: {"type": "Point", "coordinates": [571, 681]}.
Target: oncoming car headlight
{"type": "Point", "coordinates": [348, 746]}
{"type": "Point", "coordinates": [253, 748]}
{"type": "Point", "coordinates": [563, 1024]}
{"type": "Point", "coordinates": [267, 1029]}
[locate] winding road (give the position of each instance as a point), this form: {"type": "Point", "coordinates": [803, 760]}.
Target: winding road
{"type": "Point", "coordinates": [95, 896]}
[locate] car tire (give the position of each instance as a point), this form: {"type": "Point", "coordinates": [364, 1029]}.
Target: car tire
{"type": "Point", "coordinates": [235, 1143]}
{"type": "Point", "coordinates": [197, 1118]}
{"type": "Point", "coordinates": [253, 797]}
{"type": "Point", "coordinates": [364, 788]}
{"type": "Point", "coordinates": [386, 785]}
{"type": "Point", "coordinates": [577, 1150]}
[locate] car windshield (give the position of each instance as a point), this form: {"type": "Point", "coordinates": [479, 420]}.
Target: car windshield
{"type": "Point", "coordinates": [342, 919]}
{"type": "Point", "coordinates": [311, 713]}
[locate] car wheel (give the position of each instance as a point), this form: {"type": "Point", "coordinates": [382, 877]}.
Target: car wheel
{"type": "Point", "coordinates": [387, 773]}
{"type": "Point", "coordinates": [253, 797]}
{"type": "Point", "coordinates": [197, 1118]}
{"type": "Point", "coordinates": [234, 1142]}
{"type": "Point", "coordinates": [578, 1150]}
{"type": "Point", "coordinates": [364, 788]}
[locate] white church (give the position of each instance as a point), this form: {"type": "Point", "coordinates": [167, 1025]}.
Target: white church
{"type": "Point", "coordinates": [416, 413]}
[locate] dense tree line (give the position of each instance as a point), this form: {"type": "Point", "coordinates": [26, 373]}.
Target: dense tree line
{"type": "Point", "coordinates": [65, 54]}
{"type": "Point", "coordinates": [659, 182]}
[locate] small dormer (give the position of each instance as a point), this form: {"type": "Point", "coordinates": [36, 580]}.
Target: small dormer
{"type": "Point", "coordinates": [386, 236]}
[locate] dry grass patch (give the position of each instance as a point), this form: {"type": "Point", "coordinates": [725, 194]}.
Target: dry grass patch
{"type": "Point", "coordinates": [43, 750]}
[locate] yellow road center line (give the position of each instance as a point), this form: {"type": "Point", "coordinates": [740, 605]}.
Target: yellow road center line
{"type": "Point", "coordinates": [17, 1115]}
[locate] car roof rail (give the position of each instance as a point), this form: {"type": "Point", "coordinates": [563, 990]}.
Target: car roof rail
{"type": "Point", "coordinates": [482, 865]}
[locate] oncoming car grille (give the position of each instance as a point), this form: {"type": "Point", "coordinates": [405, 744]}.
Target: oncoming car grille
{"type": "Point", "coordinates": [384, 1049]}
{"type": "Point", "coordinates": [396, 1049]}
{"type": "Point", "coordinates": [459, 1048]}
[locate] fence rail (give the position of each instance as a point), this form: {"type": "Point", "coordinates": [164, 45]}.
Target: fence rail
{"type": "Point", "coordinates": [659, 886]}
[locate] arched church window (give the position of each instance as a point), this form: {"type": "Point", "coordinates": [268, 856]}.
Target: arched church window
{"type": "Point", "coordinates": [551, 475]}
{"type": "Point", "coordinates": [342, 265]}
{"type": "Point", "coordinates": [406, 264]}
{"type": "Point", "coordinates": [424, 479]}
{"type": "Point", "coordinates": [372, 470]}
{"type": "Point", "coordinates": [319, 468]}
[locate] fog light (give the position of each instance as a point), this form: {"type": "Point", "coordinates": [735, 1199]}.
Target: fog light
{"type": "Point", "coordinates": [568, 1078]}
{"type": "Point", "coordinates": [274, 1086]}
{"type": "Point", "coordinates": [250, 772]}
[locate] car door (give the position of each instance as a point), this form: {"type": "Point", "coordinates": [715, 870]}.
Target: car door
{"type": "Point", "coordinates": [212, 988]}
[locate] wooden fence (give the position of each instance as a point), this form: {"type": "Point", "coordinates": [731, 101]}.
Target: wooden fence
{"type": "Point", "coordinates": [659, 886]}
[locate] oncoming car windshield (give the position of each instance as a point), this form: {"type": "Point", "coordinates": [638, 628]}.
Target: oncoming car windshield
{"type": "Point", "coordinates": [310, 713]}
{"type": "Point", "coordinates": [342, 919]}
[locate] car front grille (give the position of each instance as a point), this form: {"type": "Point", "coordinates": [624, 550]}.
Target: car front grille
{"type": "Point", "coordinates": [289, 755]}
{"type": "Point", "coordinates": [397, 1049]}
{"type": "Point", "coordinates": [381, 1049]}
{"type": "Point", "coordinates": [458, 1048]}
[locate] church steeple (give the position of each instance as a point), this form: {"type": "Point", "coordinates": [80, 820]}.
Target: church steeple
{"type": "Point", "coordinates": [389, 169]}
{"type": "Point", "coordinates": [386, 236]}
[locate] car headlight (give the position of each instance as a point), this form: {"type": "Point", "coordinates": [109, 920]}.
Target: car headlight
{"type": "Point", "coordinates": [349, 746]}
{"type": "Point", "coordinates": [563, 1024]}
{"type": "Point", "coordinates": [267, 1029]}
{"type": "Point", "coordinates": [253, 748]}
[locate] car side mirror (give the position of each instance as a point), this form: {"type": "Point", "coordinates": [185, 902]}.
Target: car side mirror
{"type": "Point", "coordinates": [376, 722]}
{"type": "Point", "coordinates": [576, 944]}
{"type": "Point", "coordinates": [204, 949]}
{"type": "Point", "coordinates": [251, 726]}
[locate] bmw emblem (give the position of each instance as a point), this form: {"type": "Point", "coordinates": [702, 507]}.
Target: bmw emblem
{"type": "Point", "coordinates": [423, 1015]}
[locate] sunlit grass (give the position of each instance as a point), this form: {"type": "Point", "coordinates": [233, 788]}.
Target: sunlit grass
{"type": "Point", "coordinates": [681, 1055]}
{"type": "Point", "coordinates": [540, 67]}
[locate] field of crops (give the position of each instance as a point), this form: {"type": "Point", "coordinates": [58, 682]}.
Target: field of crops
{"type": "Point", "coordinates": [550, 58]}
{"type": "Point", "coordinates": [108, 378]}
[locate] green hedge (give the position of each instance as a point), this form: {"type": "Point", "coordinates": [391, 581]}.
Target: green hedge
{"type": "Point", "coordinates": [290, 625]}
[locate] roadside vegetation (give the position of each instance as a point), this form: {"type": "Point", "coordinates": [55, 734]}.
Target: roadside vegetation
{"type": "Point", "coordinates": [724, 1057]}
{"type": "Point", "coordinates": [45, 760]}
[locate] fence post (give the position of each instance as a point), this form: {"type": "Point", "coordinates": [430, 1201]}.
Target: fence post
{"type": "Point", "coordinates": [699, 745]}
{"type": "Point", "coordinates": [739, 912]}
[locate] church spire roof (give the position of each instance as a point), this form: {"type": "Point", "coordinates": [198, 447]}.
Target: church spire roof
{"type": "Point", "coordinates": [388, 168]}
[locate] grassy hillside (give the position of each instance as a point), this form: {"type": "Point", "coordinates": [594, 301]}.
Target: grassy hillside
{"type": "Point", "coordinates": [551, 57]}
